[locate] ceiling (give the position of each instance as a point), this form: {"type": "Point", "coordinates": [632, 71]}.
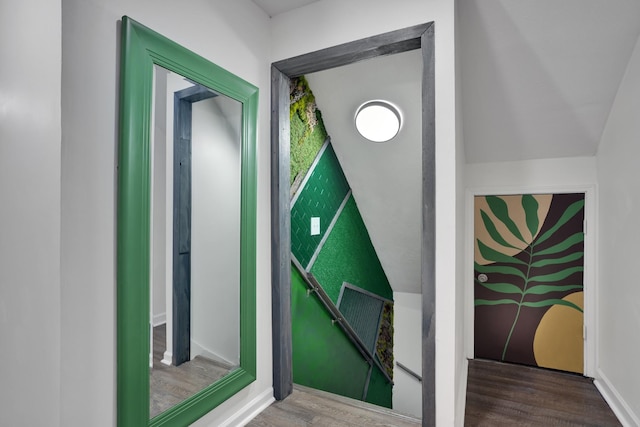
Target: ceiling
{"type": "Point", "coordinates": [276, 7]}
{"type": "Point", "coordinates": [539, 76]}
{"type": "Point", "coordinates": [538, 79]}
{"type": "Point", "coordinates": [385, 178]}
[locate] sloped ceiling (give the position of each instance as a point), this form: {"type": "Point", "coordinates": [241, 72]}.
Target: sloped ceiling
{"type": "Point", "coordinates": [276, 7]}
{"type": "Point", "coordinates": [385, 178]}
{"type": "Point", "coordinates": [539, 76]}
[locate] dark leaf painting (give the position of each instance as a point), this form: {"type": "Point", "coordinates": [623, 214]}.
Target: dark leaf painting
{"type": "Point", "coordinates": [529, 263]}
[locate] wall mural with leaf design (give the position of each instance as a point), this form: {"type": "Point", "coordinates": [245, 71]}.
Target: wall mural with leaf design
{"type": "Point", "coordinates": [528, 292]}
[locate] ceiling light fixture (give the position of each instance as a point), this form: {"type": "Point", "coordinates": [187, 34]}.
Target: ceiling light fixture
{"type": "Point", "coordinates": [378, 121]}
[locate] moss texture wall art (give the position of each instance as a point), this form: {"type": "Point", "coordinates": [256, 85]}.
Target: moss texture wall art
{"type": "Point", "coordinates": [324, 191]}
{"type": "Point", "coordinates": [307, 129]}
{"type": "Point", "coordinates": [529, 255]}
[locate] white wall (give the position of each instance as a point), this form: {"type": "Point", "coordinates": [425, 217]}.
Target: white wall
{"type": "Point", "coordinates": [234, 35]}
{"type": "Point", "coordinates": [166, 84]}
{"type": "Point", "coordinates": [215, 229]}
{"type": "Point", "coordinates": [619, 296]}
{"type": "Point", "coordinates": [356, 19]}
{"type": "Point", "coordinates": [529, 174]}
{"type": "Point", "coordinates": [30, 213]}
{"type": "Point", "coordinates": [461, 364]}
{"type": "Point", "coordinates": [407, 349]}
{"type": "Point", "coordinates": [160, 197]}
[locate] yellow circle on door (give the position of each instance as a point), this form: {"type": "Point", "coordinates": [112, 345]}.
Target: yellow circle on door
{"type": "Point", "coordinates": [558, 343]}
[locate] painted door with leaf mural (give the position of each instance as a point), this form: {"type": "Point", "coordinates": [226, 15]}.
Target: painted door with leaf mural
{"type": "Point", "coordinates": [528, 291]}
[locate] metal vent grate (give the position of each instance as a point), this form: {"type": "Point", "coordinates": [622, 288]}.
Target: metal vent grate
{"type": "Point", "coordinates": [363, 311]}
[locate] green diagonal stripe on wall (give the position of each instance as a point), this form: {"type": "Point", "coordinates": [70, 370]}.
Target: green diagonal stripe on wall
{"type": "Point", "coordinates": [321, 197]}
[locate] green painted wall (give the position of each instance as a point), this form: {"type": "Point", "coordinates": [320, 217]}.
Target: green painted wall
{"type": "Point", "coordinates": [349, 256]}
{"type": "Point", "coordinates": [380, 391]}
{"type": "Point", "coordinates": [321, 197]}
{"type": "Point", "coordinates": [323, 357]}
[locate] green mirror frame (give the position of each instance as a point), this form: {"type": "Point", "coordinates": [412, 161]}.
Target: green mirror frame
{"type": "Point", "coordinates": [142, 48]}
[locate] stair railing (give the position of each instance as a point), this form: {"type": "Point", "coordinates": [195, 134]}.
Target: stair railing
{"type": "Point", "coordinates": [408, 371]}
{"type": "Point", "coordinates": [336, 315]}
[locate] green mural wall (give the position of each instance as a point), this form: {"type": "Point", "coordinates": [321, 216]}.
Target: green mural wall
{"type": "Point", "coordinates": [323, 356]}
{"type": "Point", "coordinates": [380, 390]}
{"type": "Point", "coordinates": [349, 256]}
{"type": "Point", "coordinates": [529, 264]}
{"type": "Point", "coordinates": [321, 197]}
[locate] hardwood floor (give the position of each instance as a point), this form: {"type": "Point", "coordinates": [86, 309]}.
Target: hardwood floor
{"type": "Point", "coordinates": [501, 394]}
{"type": "Point", "coordinates": [170, 385]}
{"type": "Point", "coordinates": [498, 394]}
{"type": "Point", "coordinates": [308, 407]}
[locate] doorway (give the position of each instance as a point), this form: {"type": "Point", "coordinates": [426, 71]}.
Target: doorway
{"type": "Point", "coordinates": [529, 258]}
{"type": "Point", "coordinates": [417, 37]}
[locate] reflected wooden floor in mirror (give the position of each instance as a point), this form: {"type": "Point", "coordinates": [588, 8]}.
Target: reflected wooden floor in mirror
{"type": "Point", "coordinates": [170, 385]}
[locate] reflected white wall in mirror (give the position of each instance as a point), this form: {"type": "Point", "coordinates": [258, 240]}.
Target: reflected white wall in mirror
{"type": "Point", "coordinates": [215, 238]}
{"type": "Point", "coordinates": [214, 242]}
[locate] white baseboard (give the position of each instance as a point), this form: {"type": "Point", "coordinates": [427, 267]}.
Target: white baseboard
{"type": "Point", "coordinates": [461, 398]}
{"type": "Point", "coordinates": [167, 358]}
{"type": "Point", "coordinates": [199, 350]}
{"type": "Point", "coordinates": [620, 408]}
{"type": "Point", "coordinates": [250, 410]}
{"type": "Point", "coordinates": [159, 319]}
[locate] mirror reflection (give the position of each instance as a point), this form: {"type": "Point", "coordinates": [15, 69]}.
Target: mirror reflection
{"type": "Point", "coordinates": [195, 239]}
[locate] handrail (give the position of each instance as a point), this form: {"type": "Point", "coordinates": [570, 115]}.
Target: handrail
{"type": "Point", "coordinates": [315, 287]}
{"type": "Point", "coordinates": [408, 371]}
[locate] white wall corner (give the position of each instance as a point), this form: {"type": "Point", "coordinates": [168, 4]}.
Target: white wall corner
{"type": "Point", "coordinates": [167, 359]}
{"type": "Point", "coordinates": [618, 405]}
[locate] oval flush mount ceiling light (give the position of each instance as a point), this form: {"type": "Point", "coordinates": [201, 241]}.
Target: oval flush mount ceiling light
{"type": "Point", "coordinates": [378, 121]}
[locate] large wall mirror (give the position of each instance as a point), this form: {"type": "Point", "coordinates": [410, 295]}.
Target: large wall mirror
{"type": "Point", "coordinates": [186, 232]}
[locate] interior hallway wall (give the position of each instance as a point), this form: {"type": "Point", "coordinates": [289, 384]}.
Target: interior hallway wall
{"type": "Point", "coordinates": [234, 35]}
{"type": "Point", "coordinates": [30, 213]}
{"type": "Point", "coordinates": [619, 234]}
{"type": "Point", "coordinates": [357, 19]}
{"type": "Point", "coordinates": [215, 229]}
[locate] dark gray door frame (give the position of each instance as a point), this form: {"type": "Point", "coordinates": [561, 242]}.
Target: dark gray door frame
{"type": "Point", "coordinates": [181, 287]}
{"type": "Point", "coordinates": [416, 37]}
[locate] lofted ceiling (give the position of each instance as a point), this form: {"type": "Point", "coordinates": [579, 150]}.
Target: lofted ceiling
{"type": "Point", "coordinates": [539, 76]}
{"type": "Point", "coordinates": [538, 79]}
{"type": "Point", "coordinates": [386, 178]}
{"type": "Point", "coordinates": [276, 7]}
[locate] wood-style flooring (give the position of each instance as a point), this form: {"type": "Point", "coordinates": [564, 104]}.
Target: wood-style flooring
{"type": "Point", "coordinates": [501, 394]}
{"type": "Point", "coordinates": [307, 407]}
{"type": "Point", "coordinates": [498, 394]}
{"type": "Point", "coordinates": [170, 385]}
